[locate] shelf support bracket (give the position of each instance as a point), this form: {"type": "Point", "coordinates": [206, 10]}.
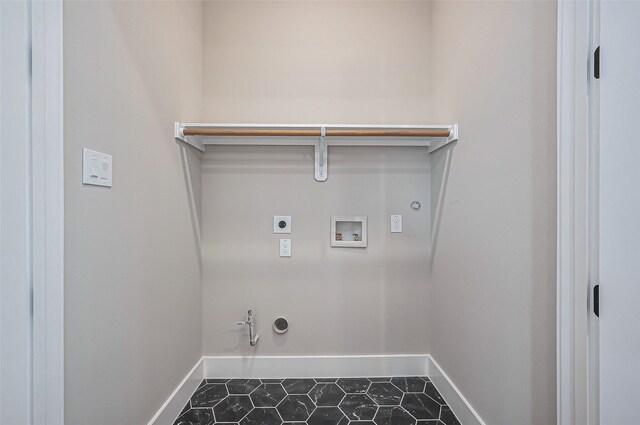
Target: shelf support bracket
{"type": "Point", "coordinates": [180, 137]}
{"type": "Point", "coordinates": [453, 137]}
{"type": "Point", "coordinates": [321, 156]}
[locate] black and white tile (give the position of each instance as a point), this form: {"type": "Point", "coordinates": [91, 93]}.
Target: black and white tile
{"type": "Point", "coordinates": [268, 395]}
{"type": "Point", "coordinates": [321, 401]}
{"type": "Point", "coordinates": [326, 395]}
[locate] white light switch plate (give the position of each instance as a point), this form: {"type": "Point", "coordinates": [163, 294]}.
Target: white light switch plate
{"type": "Point", "coordinates": [285, 247]}
{"type": "Point", "coordinates": [396, 223]}
{"type": "Point", "coordinates": [96, 168]}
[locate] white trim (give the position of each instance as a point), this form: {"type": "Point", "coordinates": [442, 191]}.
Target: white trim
{"type": "Point", "coordinates": [572, 216]}
{"type": "Point", "coordinates": [459, 405]}
{"type": "Point", "coordinates": [48, 212]}
{"type": "Point", "coordinates": [172, 407]}
{"type": "Point", "coordinates": [15, 214]}
{"type": "Point", "coordinates": [315, 366]}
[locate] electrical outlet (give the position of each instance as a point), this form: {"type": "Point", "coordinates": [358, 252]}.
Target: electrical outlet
{"type": "Point", "coordinates": [281, 224]}
{"type": "Point", "coordinates": [396, 223]}
{"type": "Point", "coordinates": [285, 247]}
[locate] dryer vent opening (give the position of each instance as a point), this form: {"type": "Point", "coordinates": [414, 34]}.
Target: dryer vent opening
{"type": "Point", "coordinates": [280, 325]}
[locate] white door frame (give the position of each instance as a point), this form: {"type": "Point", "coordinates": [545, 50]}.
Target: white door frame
{"type": "Point", "coordinates": [575, 405]}
{"type": "Point", "coordinates": [38, 282]}
{"type": "Point", "coordinates": [573, 210]}
{"type": "Point", "coordinates": [15, 206]}
{"type": "Point", "coordinates": [48, 212]}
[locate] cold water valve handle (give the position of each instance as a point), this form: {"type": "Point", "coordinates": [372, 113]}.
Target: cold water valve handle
{"type": "Point", "coordinates": [251, 323]}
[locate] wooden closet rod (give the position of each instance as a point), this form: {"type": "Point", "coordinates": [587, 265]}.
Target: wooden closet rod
{"type": "Point", "coordinates": [316, 132]}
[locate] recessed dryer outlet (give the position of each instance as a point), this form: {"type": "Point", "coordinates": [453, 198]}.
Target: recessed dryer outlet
{"type": "Point", "coordinates": [281, 224]}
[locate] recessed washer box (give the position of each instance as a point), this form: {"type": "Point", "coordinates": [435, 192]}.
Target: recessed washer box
{"type": "Point", "coordinates": [349, 231]}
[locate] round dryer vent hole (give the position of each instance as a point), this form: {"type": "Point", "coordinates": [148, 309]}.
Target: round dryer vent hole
{"type": "Point", "coordinates": [281, 325]}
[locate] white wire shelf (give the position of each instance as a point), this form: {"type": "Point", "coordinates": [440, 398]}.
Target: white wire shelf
{"type": "Point", "coordinates": [201, 135]}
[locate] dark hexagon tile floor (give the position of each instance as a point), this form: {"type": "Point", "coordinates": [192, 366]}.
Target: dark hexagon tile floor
{"type": "Point", "coordinates": [233, 408]}
{"type": "Point", "coordinates": [322, 401]}
{"type": "Point", "coordinates": [298, 386]}
{"type": "Point", "coordinates": [260, 416]}
{"type": "Point", "coordinates": [327, 416]}
{"type": "Point", "coordinates": [393, 415]}
{"type": "Point", "coordinates": [268, 395]}
{"type": "Point", "coordinates": [243, 386]}
{"type": "Point", "coordinates": [196, 417]}
{"type": "Point", "coordinates": [296, 407]}
{"type": "Point", "coordinates": [421, 406]}
{"type": "Point", "coordinates": [385, 394]}
{"type": "Point", "coordinates": [208, 395]}
{"type": "Point", "coordinates": [354, 385]}
{"type": "Point", "coordinates": [409, 384]}
{"type": "Point", "coordinates": [326, 394]}
{"type": "Point", "coordinates": [359, 407]}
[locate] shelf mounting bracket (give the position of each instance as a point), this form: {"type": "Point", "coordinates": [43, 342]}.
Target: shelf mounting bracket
{"type": "Point", "coordinates": [191, 140]}
{"type": "Point", "coordinates": [321, 156]}
{"type": "Point", "coordinates": [453, 137]}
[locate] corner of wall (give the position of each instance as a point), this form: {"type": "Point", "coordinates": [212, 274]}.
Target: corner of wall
{"type": "Point", "coordinates": [132, 255]}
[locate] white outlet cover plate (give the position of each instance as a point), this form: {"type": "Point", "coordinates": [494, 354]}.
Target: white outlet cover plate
{"type": "Point", "coordinates": [285, 247]}
{"type": "Point", "coordinates": [396, 223]}
{"type": "Point", "coordinates": [276, 221]}
{"type": "Point", "coordinates": [96, 168]}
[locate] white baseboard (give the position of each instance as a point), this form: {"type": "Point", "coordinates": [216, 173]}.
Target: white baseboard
{"type": "Point", "coordinates": [171, 408]}
{"type": "Point", "coordinates": [452, 395]}
{"type": "Point", "coordinates": [315, 366]}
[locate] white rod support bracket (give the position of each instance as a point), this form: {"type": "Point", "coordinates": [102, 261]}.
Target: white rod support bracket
{"type": "Point", "coordinates": [453, 137]}
{"type": "Point", "coordinates": [180, 137]}
{"type": "Point", "coordinates": [321, 156]}
{"type": "Point", "coordinates": [178, 131]}
{"type": "Point", "coordinates": [453, 134]}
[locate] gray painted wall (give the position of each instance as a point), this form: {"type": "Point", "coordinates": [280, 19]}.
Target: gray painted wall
{"type": "Point", "coordinates": [132, 261]}
{"type": "Point", "coordinates": [338, 300]}
{"type": "Point", "coordinates": [493, 280]}
{"type": "Point", "coordinates": [317, 61]}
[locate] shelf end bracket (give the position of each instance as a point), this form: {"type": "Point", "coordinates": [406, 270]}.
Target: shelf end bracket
{"type": "Point", "coordinates": [453, 137]}
{"type": "Point", "coordinates": [180, 137]}
{"type": "Point", "coordinates": [453, 134]}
